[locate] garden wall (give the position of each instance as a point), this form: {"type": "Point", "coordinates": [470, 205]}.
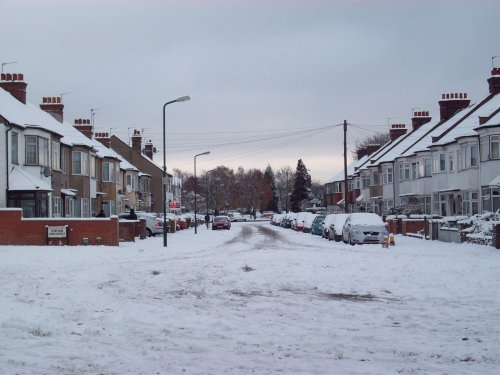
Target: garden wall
{"type": "Point", "coordinates": [16, 230]}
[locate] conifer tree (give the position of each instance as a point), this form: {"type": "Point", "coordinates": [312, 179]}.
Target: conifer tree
{"type": "Point", "coordinates": [269, 187]}
{"type": "Point", "coordinates": [301, 187]}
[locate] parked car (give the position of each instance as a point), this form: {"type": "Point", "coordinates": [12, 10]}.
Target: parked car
{"type": "Point", "coordinates": [326, 227]}
{"type": "Point", "coordinates": [221, 222]}
{"type": "Point", "coordinates": [154, 225]}
{"type": "Point", "coordinates": [308, 223]}
{"type": "Point", "coordinates": [298, 221]}
{"type": "Point", "coordinates": [335, 230]}
{"type": "Point", "coordinates": [276, 219]}
{"type": "Point", "coordinates": [364, 228]}
{"type": "Point", "coordinates": [317, 225]}
{"type": "Point", "coordinates": [288, 219]}
{"type": "Point", "coordinates": [236, 216]}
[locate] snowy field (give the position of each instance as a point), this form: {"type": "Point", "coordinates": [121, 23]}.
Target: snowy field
{"type": "Point", "coordinates": [253, 300]}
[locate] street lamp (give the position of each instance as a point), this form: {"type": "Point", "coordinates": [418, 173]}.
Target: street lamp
{"type": "Point", "coordinates": [195, 223]}
{"type": "Point", "coordinates": [206, 184]}
{"type": "Point", "coordinates": [164, 182]}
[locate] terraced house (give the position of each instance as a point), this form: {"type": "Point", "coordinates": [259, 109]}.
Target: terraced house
{"type": "Point", "coordinates": [446, 166]}
{"type": "Point", "coordinates": [53, 169]}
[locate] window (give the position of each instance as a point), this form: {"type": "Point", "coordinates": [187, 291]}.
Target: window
{"type": "Point", "coordinates": [56, 155]}
{"type": "Point", "coordinates": [93, 166]}
{"type": "Point", "coordinates": [108, 172]}
{"type": "Point", "coordinates": [442, 162]}
{"type": "Point", "coordinates": [337, 187]}
{"type": "Point", "coordinates": [374, 180]}
{"type": "Point", "coordinates": [414, 169]}
{"type": "Point", "coordinates": [144, 185]}
{"type": "Point", "coordinates": [387, 175]}
{"type": "Point", "coordinates": [427, 167]}
{"type": "Point", "coordinates": [484, 148]}
{"type": "Point", "coordinates": [435, 202]}
{"type": "Point", "coordinates": [80, 163]}
{"type": "Point", "coordinates": [365, 181]}
{"type": "Point", "coordinates": [64, 160]}
{"type": "Point", "coordinates": [43, 151]}
{"type": "Point", "coordinates": [425, 204]}
{"type": "Point", "coordinates": [443, 205]}
{"type": "Point", "coordinates": [350, 184]}
{"type": "Point", "coordinates": [473, 156]}
{"type": "Point", "coordinates": [357, 183]}
{"type": "Point", "coordinates": [85, 207]}
{"type": "Point", "coordinates": [451, 162]}
{"type": "Point", "coordinates": [31, 150]}
{"type": "Point", "coordinates": [495, 147]}
{"type": "Point", "coordinates": [69, 206]}
{"type": "Point", "coordinates": [56, 207]}
{"type": "Point", "coordinates": [469, 153]}
{"type": "Point", "coordinates": [14, 138]}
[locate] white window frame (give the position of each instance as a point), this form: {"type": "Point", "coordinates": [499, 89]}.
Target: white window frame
{"type": "Point", "coordinates": [56, 155]}
{"type": "Point", "coordinates": [494, 140]}
{"type": "Point", "coordinates": [56, 206]}
{"type": "Point", "coordinates": [84, 164]}
{"type": "Point", "coordinates": [108, 172]}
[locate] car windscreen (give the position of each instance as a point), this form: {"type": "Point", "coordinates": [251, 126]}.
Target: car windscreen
{"type": "Point", "coordinates": [220, 218]}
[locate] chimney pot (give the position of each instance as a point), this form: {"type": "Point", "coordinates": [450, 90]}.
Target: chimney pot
{"type": "Point", "coordinates": [21, 76]}
{"type": "Point", "coordinates": [9, 77]}
{"type": "Point", "coordinates": [3, 77]}
{"type": "Point", "coordinates": [14, 77]}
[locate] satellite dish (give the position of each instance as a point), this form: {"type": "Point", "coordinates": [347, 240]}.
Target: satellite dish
{"type": "Point", "coordinates": [47, 172]}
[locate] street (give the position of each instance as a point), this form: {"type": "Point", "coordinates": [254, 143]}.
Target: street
{"type": "Point", "coordinates": [254, 299]}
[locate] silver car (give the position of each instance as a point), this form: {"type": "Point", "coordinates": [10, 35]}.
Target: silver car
{"type": "Point", "coordinates": [364, 228]}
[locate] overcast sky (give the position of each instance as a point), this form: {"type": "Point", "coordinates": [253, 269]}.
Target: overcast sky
{"type": "Point", "coordinates": [254, 69]}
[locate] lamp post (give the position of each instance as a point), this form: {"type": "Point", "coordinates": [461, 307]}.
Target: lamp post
{"type": "Point", "coordinates": [195, 222]}
{"type": "Point", "coordinates": [206, 185]}
{"type": "Point", "coordinates": [164, 182]}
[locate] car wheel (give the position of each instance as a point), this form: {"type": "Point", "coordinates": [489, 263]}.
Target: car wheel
{"type": "Point", "coordinates": [343, 239]}
{"type": "Point", "coordinates": [148, 232]}
{"type": "Point", "coordinates": [351, 242]}
{"type": "Point", "coordinates": [338, 238]}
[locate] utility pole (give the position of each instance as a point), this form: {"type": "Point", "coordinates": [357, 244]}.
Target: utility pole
{"type": "Point", "coordinates": [345, 167]}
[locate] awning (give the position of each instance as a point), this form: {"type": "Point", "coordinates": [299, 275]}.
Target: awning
{"type": "Point", "coordinates": [360, 198]}
{"type": "Point", "coordinates": [340, 201]}
{"type": "Point", "coordinates": [20, 180]}
{"type": "Point", "coordinates": [67, 192]}
{"type": "Point", "coordinates": [495, 182]}
{"type": "Point", "coordinates": [408, 194]}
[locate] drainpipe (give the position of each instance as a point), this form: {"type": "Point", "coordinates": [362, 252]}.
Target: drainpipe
{"type": "Point", "coordinates": [7, 124]}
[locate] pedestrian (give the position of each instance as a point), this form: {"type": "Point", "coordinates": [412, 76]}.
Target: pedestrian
{"type": "Point", "coordinates": [132, 215]}
{"type": "Point", "coordinates": [207, 220]}
{"type": "Point", "coordinates": [101, 214]}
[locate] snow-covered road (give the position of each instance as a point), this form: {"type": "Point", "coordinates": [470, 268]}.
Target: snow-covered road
{"type": "Point", "coordinates": [255, 299]}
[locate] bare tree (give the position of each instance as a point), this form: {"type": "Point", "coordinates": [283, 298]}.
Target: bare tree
{"type": "Point", "coordinates": [285, 177]}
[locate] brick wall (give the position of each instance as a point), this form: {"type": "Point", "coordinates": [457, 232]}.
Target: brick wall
{"type": "Point", "coordinates": [128, 230]}
{"type": "Point", "coordinates": [14, 230]}
{"type": "Point", "coordinates": [414, 226]}
{"type": "Point", "coordinates": [495, 241]}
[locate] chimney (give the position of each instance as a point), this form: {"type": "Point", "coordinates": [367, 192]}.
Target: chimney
{"type": "Point", "coordinates": [420, 118]}
{"type": "Point", "coordinates": [397, 130]}
{"type": "Point", "coordinates": [53, 106]}
{"type": "Point", "coordinates": [83, 125]}
{"type": "Point", "coordinates": [103, 138]}
{"type": "Point", "coordinates": [137, 141]}
{"type": "Point", "coordinates": [371, 148]}
{"type": "Point", "coordinates": [494, 81]}
{"type": "Point", "coordinates": [451, 104]}
{"type": "Point", "coordinates": [148, 149]}
{"type": "Point", "coordinates": [15, 85]}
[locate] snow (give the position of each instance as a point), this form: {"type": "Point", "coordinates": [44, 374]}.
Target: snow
{"type": "Point", "coordinates": [20, 180]}
{"type": "Point", "coordinates": [366, 219]}
{"type": "Point", "coordinates": [242, 302]}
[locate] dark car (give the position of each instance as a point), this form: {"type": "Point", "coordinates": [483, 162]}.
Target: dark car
{"type": "Point", "coordinates": [317, 225]}
{"type": "Point", "coordinates": [221, 222]}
